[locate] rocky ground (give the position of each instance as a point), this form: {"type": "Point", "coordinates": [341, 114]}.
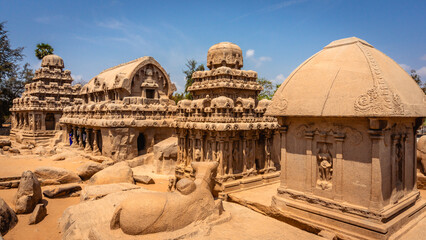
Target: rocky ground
{"type": "Point", "coordinates": [69, 176]}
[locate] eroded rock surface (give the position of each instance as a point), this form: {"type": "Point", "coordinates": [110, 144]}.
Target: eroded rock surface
{"type": "Point", "coordinates": [88, 169]}
{"type": "Point", "coordinates": [55, 175]}
{"type": "Point", "coordinates": [93, 192]}
{"type": "Point", "coordinates": [145, 179]}
{"type": "Point", "coordinates": [38, 214]}
{"type": "Point", "coordinates": [28, 194]}
{"type": "Point", "coordinates": [8, 218]}
{"type": "Point", "coordinates": [61, 191]}
{"type": "Point", "coordinates": [117, 173]}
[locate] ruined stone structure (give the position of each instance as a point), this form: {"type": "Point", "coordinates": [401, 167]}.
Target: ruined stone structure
{"type": "Point", "coordinates": [123, 111]}
{"type": "Point", "coordinates": [225, 123]}
{"type": "Point", "coordinates": [35, 115]}
{"type": "Point", "coordinates": [348, 118]}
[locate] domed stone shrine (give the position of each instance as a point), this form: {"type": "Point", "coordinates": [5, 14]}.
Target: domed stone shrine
{"type": "Point", "coordinates": [348, 118]}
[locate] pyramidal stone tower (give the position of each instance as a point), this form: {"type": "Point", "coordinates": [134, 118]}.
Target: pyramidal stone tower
{"type": "Point", "coordinates": [35, 115]}
{"type": "Point", "coordinates": [225, 123]}
{"type": "Point", "coordinates": [348, 117]}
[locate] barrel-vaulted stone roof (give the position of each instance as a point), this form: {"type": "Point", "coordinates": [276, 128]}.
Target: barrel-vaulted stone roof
{"type": "Point", "coordinates": [120, 77]}
{"type": "Point", "coordinates": [349, 77]}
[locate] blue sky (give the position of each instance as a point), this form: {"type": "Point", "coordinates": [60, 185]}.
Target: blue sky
{"type": "Point", "coordinates": [275, 36]}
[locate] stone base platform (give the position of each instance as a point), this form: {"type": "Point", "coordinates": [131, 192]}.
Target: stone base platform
{"type": "Point", "coordinates": [318, 219]}
{"type": "Point", "coordinates": [246, 183]}
{"type": "Point", "coordinates": [34, 138]}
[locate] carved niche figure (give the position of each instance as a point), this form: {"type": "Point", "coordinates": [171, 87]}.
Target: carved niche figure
{"type": "Point", "coordinates": [325, 166]}
{"type": "Point", "coordinates": [197, 151]}
{"type": "Point", "coordinates": [235, 156]}
{"type": "Point", "coordinates": [399, 152]}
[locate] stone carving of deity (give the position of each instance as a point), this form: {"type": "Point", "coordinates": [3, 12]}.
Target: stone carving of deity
{"type": "Point", "coordinates": [235, 155]}
{"type": "Point", "coordinates": [325, 166]}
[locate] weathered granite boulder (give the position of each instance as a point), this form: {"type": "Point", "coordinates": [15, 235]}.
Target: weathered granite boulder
{"type": "Point", "coordinates": [165, 155]}
{"type": "Point", "coordinates": [5, 142]}
{"type": "Point", "coordinates": [8, 218]}
{"type": "Point", "coordinates": [6, 148]}
{"type": "Point", "coordinates": [145, 179]}
{"type": "Point", "coordinates": [88, 169]}
{"type": "Point", "coordinates": [38, 214]}
{"type": "Point", "coordinates": [28, 194]}
{"type": "Point", "coordinates": [94, 192]}
{"type": "Point", "coordinates": [117, 173]}
{"type": "Point", "coordinates": [55, 175]}
{"type": "Point", "coordinates": [14, 150]}
{"type": "Point", "coordinates": [61, 191]}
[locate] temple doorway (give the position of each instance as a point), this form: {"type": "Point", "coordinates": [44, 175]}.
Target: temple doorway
{"type": "Point", "coordinates": [50, 121]}
{"type": "Point", "coordinates": [141, 144]}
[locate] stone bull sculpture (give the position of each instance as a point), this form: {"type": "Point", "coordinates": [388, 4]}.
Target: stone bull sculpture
{"type": "Point", "coordinates": [150, 212]}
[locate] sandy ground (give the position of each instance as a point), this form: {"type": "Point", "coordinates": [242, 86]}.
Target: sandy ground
{"type": "Point", "coordinates": [48, 229]}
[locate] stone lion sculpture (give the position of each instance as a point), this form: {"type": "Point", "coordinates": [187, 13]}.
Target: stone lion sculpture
{"type": "Point", "coordinates": [145, 213]}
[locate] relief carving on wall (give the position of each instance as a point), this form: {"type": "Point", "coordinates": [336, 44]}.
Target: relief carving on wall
{"type": "Point", "coordinates": [379, 99]}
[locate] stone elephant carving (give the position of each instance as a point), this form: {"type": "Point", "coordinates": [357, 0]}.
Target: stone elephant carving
{"type": "Point", "coordinates": [151, 212]}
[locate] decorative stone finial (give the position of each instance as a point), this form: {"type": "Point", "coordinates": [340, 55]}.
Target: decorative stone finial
{"type": "Point", "coordinates": [52, 61]}
{"type": "Point", "coordinates": [225, 54]}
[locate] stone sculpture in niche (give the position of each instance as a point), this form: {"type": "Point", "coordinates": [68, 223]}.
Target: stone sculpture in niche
{"type": "Point", "coordinates": [325, 167]}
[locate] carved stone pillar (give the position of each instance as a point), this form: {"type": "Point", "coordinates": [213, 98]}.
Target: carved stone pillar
{"type": "Point", "coordinates": [88, 148]}
{"type": "Point", "coordinates": [230, 157]}
{"type": "Point", "coordinates": [74, 137]}
{"type": "Point", "coordinates": [43, 121]}
{"type": "Point", "coordinates": [80, 138]}
{"type": "Point", "coordinates": [246, 136]}
{"type": "Point", "coordinates": [283, 160]}
{"type": "Point", "coordinates": [308, 163]}
{"type": "Point", "coordinates": [220, 156]}
{"type": "Point", "coordinates": [96, 150]}
{"type": "Point", "coordinates": [376, 197]}
{"type": "Point", "coordinates": [338, 166]}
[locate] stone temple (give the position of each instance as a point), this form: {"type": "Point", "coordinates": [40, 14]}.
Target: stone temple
{"type": "Point", "coordinates": [349, 116]}
{"type": "Point", "coordinates": [338, 139]}
{"type": "Point", "coordinates": [35, 115]}
{"type": "Point", "coordinates": [123, 111]}
{"type": "Point", "coordinates": [225, 123]}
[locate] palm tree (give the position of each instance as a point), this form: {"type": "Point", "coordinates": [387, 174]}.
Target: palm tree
{"type": "Point", "coordinates": [43, 49]}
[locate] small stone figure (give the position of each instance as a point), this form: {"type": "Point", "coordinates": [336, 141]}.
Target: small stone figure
{"type": "Point", "coordinates": [325, 167]}
{"type": "Point", "coordinates": [172, 184]}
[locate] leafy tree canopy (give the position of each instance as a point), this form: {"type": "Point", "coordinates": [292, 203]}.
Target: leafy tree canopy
{"type": "Point", "coordinates": [42, 50]}
{"type": "Point", "coordinates": [269, 89]}
{"type": "Point", "coordinates": [191, 67]}
{"type": "Point", "coordinates": [416, 78]}
{"type": "Point", "coordinates": [12, 76]}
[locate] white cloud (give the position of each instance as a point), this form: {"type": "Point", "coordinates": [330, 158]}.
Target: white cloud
{"type": "Point", "coordinates": [405, 67]}
{"type": "Point", "coordinates": [422, 72]}
{"type": "Point", "coordinates": [265, 59]}
{"type": "Point", "coordinates": [423, 57]}
{"type": "Point", "coordinates": [250, 53]}
{"type": "Point", "coordinates": [111, 23]}
{"type": "Point", "coordinates": [78, 79]}
{"type": "Point", "coordinates": [279, 78]}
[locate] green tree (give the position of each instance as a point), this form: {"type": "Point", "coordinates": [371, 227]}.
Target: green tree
{"type": "Point", "coordinates": [191, 67]}
{"type": "Point", "coordinates": [12, 76]}
{"type": "Point", "coordinates": [42, 50]}
{"type": "Point", "coordinates": [269, 89]}
{"type": "Point", "coordinates": [417, 79]}
{"type": "Point", "coordinates": [177, 97]}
